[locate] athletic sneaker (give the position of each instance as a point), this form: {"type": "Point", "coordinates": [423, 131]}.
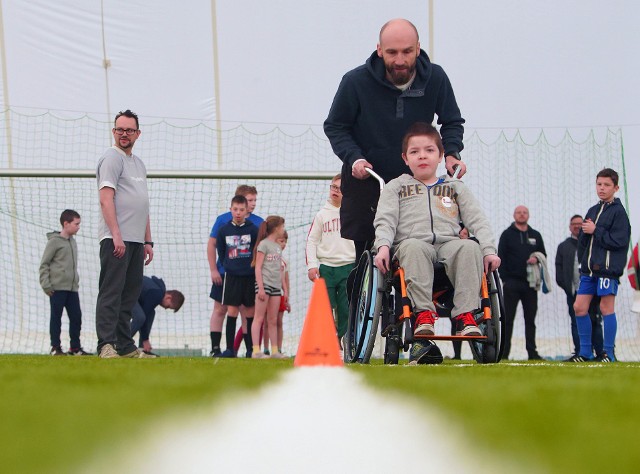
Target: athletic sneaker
{"type": "Point", "coordinates": [466, 325]}
{"type": "Point", "coordinates": [260, 355]}
{"type": "Point", "coordinates": [57, 351]}
{"type": "Point", "coordinates": [425, 352]}
{"type": "Point", "coordinates": [139, 354]}
{"type": "Point", "coordinates": [577, 358]}
{"type": "Point", "coordinates": [279, 355]}
{"type": "Point", "coordinates": [150, 353]}
{"type": "Point", "coordinates": [228, 353]}
{"type": "Point", "coordinates": [215, 353]}
{"type": "Point", "coordinates": [424, 323]}
{"type": "Point", "coordinates": [78, 352]}
{"type": "Point", "coordinates": [108, 352]}
{"type": "Point", "coordinates": [604, 357]}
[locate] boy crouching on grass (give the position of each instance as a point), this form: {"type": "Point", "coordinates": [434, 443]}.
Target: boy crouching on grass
{"type": "Point", "coordinates": [59, 280]}
{"type": "Point", "coordinates": [420, 217]}
{"type": "Point", "coordinates": [602, 251]}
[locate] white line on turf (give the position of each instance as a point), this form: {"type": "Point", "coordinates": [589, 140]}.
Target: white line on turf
{"type": "Point", "coordinates": [313, 420]}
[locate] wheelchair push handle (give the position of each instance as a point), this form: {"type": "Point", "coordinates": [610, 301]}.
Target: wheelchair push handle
{"type": "Point", "coordinates": [456, 174]}
{"type": "Point", "coordinates": [376, 176]}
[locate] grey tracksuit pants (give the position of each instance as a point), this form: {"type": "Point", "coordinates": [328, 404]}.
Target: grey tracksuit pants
{"type": "Point", "coordinates": [462, 260]}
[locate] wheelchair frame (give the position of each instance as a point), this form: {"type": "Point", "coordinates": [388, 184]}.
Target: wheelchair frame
{"type": "Point", "coordinates": [371, 300]}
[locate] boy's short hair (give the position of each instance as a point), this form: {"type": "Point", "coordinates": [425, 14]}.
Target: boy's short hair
{"type": "Point", "coordinates": [608, 173]}
{"type": "Point", "coordinates": [68, 215]}
{"type": "Point", "coordinates": [420, 129]}
{"type": "Point", "coordinates": [127, 113]}
{"type": "Point", "coordinates": [575, 216]}
{"type": "Point", "coordinates": [239, 199]}
{"type": "Point", "coordinates": [336, 177]}
{"type": "Point", "coordinates": [177, 299]}
{"type": "Point", "coordinates": [245, 189]}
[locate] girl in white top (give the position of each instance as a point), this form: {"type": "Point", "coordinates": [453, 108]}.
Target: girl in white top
{"type": "Point", "coordinates": [269, 282]}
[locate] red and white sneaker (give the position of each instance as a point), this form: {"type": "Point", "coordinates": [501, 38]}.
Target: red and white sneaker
{"type": "Point", "coordinates": [466, 325]}
{"type": "Point", "coordinates": [424, 323]}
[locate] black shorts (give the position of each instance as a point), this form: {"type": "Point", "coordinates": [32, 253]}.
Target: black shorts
{"type": "Point", "coordinates": [216, 291]}
{"type": "Point", "coordinates": [238, 290]}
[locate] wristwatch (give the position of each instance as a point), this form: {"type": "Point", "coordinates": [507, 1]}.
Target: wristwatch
{"type": "Point", "coordinates": [149, 243]}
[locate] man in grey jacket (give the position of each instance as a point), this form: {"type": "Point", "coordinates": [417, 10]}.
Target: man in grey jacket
{"type": "Point", "coordinates": [59, 280]}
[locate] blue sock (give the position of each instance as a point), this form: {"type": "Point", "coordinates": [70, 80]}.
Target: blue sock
{"type": "Point", "coordinates": [610, 327]}
{"type": "Point", "coordinates": [584, 332]}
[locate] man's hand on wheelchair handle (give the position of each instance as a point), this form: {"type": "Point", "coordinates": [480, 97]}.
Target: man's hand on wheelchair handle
{"type": "Point", "coordinates": [381, 260]}
{"type": "Point", "coordinates": [491, 263]}
{"type": "Point", "coordinates": [358, 170]}
{"type": "Point", "coordinates": [451, 162]}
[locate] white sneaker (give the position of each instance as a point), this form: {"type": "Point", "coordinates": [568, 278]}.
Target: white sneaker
{"type": "Point", "coordinates": [260, 355]}
{"type": "Point", "coordinates": [108, 352]}
{"type": "Point", "coordinates": [139, 354]}
{"type": "Point", "coordinates": [279, 355]}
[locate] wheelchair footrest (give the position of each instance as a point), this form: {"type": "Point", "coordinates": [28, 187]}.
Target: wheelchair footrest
{"type": "Point", "coordinates": [451, 338]}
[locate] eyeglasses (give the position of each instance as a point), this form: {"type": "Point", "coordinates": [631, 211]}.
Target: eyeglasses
{"type": "Point", "coordinates": [128, 131]}
{"type": "Point", "coordinates": [335, 188]}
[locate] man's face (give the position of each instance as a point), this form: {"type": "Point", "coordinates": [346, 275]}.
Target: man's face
{"type": "Point", "coordinates": [252, 199]}
{"type": "Point", "coordinates": [125, 133]}
{"type": "Point", "coordinates": [399, 49]}
{"type": "Point", "coordinates": [72, 227]}
{"type": "Point", "coordinates": [238, 212]}
{"type": "Point", "coordinates": [574, 226]}
{"type": "Point", "coordinates": [521, 215]}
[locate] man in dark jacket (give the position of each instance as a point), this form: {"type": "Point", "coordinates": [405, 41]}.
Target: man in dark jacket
{"type": "Point", "coordinates": [374, 106]}
{"type": "Point", "coordinates": [154, 293]}
{"type": "Point", "coordinates": [568, 278]}
{"type": "Point", "coordinates": [516, 245]}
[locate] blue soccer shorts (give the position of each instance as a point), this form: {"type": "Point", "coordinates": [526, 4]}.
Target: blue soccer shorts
{"type": "Point", "coordinates": [597, 286]}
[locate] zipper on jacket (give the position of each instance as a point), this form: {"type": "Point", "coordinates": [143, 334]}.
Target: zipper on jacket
{"type": "Point", "coordinates": [606, 260]}
{"type": "Point", "coordinates": [591, 241]}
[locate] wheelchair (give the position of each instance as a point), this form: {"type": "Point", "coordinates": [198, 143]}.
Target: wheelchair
{"type": "Point", "coordinates": [373, 304]}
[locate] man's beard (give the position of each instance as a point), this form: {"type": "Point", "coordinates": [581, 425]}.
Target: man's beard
{"type": "Point", "coordinates": [402, 76]}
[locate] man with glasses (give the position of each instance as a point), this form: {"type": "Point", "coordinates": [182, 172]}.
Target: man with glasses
{"type": "Point", "coordinates": [330, 256]}
{"type": "Point", "coordinates": [124, 232]}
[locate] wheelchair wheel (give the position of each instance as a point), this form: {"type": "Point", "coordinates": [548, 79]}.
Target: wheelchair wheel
{"type": "Point", "coordinates": [364, 312]}
{"type": "Point", "coordinates": [490, 351]}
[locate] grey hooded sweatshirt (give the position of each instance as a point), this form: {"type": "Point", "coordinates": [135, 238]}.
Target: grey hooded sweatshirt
{"type": "Point", "coordinates": [410, 209]}
{"type": "Point", "coordinates": [59, 264]}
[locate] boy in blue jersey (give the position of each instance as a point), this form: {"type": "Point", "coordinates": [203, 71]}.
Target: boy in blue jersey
{"type": "Point", "coordinates": [234, 244]}
{"type": "Point", "coordinates": [602, 251]}
{"type": "Point", "coordinates": [217, 274]}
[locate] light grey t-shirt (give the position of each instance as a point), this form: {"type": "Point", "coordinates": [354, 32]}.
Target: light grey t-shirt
{"type": "Point", "coordinates": [272, 263]}
{"type": "Point", "coordinates": [128, 176]}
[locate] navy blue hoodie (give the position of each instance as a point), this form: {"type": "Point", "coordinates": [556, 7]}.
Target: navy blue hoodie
{"type": "Point", "coordinates": [515, 248]}
{"type": "Point", "coordinates": [368, 119]}
{"type": "Point", "coordinates": [604, 253]}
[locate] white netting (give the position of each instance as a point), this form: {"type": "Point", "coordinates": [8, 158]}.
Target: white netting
{"type": "Point", "coordinates": [555, 180]}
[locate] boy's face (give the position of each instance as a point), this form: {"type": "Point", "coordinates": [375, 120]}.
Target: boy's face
{"type": "Point", "coordinates": [606, 189]}
{"type": "Point", "coordinates": [72, 228]}
{"type": "Point", "coordinates": [282, 241]}
{"type": "Point", "coordinates": [335, 195]}
{"type": "Point", "coordinates": [422, 157]}
{"type": "Point", "coordinates": [238, 212]}
{"type": "Point", "coordinates": [167, 302]}
{"type": "Point", "coordinates": [252, 199]}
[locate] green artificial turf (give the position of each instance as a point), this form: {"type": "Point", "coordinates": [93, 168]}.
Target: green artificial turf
{"type": "Point", "coordinates": [556, 417]}
{"type": "Point", "coordinates": [57, 412]}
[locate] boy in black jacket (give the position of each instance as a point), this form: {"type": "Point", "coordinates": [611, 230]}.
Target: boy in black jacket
{"type": "Point", "coordinates": [602, 251]}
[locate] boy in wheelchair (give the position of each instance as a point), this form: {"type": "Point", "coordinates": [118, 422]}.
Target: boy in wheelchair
{"type": "Point", "coordinates": [419, 217]}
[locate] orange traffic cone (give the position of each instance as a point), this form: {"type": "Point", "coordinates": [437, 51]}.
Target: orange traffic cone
{"type": "Point", "coordinates": [319, 342]}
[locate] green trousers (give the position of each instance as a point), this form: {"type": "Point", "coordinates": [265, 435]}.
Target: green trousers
{"type": "Point", "coordinates": [336, 281]}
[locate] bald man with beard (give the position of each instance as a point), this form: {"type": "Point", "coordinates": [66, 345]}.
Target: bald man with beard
{"type": "Point", "coordinates": [374, 106]}
{"type": "Point", "coordinates": [516, 245]}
